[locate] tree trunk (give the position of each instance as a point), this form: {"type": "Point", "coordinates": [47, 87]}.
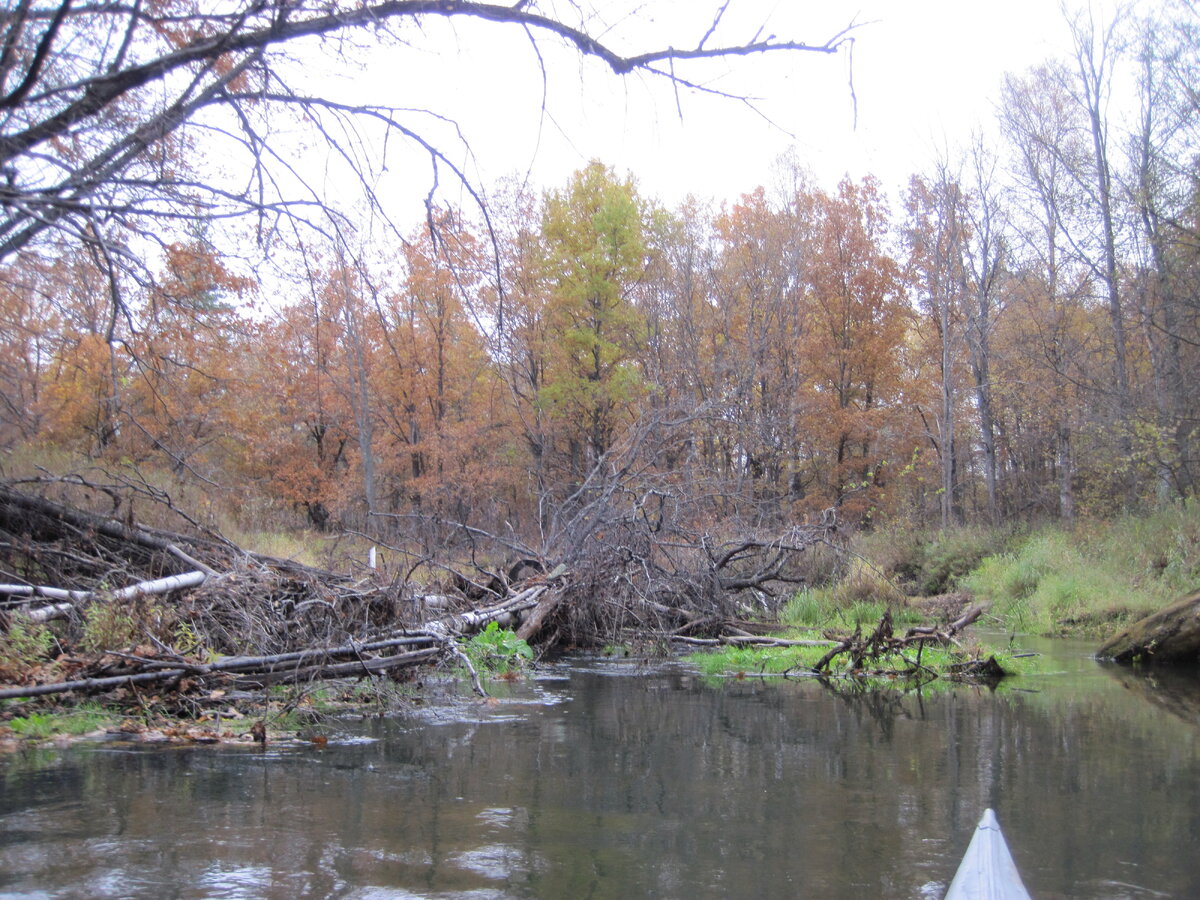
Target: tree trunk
{"type": "Point", "coordinates": [1171, 635]}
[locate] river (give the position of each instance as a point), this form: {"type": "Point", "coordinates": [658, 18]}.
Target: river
{"type": "Point", "coordinates": [619, 779]}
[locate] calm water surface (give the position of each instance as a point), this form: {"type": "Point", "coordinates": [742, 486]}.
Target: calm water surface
{"type": "Point", "coordinates": [615, 780]}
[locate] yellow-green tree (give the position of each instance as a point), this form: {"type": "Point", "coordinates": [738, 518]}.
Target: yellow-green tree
{"type": "Point", "coordinates": [596, 255]}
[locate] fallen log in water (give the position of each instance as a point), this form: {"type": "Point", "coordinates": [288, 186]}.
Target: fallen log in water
{"type": "Point", "coordinates": [1169, 636]}
{"type": "Point", "coordinates": [365, 666]}
{"type": "Point", "coordinates": [475, 619]}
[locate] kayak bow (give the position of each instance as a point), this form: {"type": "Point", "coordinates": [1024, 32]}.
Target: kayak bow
{"type": "Point", "coordinates": [987, 871]}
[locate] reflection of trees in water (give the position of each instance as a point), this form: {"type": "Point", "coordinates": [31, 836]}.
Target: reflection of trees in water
{"type": "Point", "coordinates": [656, 784]}
{"type": "Point", "coordinates": [870, 703]}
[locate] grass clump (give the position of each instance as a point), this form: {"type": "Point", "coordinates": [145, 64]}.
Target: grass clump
{"type": "Point", "coordinates": [842, 606]}
{"type": "Point", "coordinates": [25, 645]}
{"type": "Point", "coordinates": [1096, 579]}
{"type": "Point", "coordinates": [43, 725]}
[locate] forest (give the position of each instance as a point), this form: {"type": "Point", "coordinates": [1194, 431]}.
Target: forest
{"type": "Point", "coordinates": [548, 538]}
{"type": "Point", "coordinates": [1012, 337]}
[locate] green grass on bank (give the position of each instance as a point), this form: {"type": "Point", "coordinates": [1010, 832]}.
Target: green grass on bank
{"type": "Point", "coordinates": [934, 663]}
{"type": "Point", "coordinates": [1096, 579]}
{"type": "Point", "coordinates": [1087, 581]}
{"type": "Point", "coordinates": [41, 725]}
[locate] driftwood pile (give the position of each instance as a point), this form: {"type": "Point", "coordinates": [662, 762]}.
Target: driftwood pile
{"type": "Point", "coordinates": [197, 611]}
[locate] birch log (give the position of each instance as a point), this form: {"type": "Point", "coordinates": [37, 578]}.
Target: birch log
{"type": "Point", "coordinates": [70, 598]}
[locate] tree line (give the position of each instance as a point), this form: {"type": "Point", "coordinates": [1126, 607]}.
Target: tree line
{"type": "Point", "coordinates": [1015, 336]}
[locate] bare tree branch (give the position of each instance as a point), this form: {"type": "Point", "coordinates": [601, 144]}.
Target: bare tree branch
{"type": "Point", "coordinates": [105, 88]}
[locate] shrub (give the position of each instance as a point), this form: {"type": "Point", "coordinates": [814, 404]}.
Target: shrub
{"type": "Point", "coordinates": [497, 650]}
{"type": "Point", "coordinates": [24, 645]}
{"type": "Point", "coordinates": [114, 625]}
{"type": "Point", "coordinates": [925, 563]}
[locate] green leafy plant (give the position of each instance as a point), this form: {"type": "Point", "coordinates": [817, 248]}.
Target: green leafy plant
{"type": "Point", "coordinates": [82, 719]}
{"type": "Point", "coordinates": [497, 650]}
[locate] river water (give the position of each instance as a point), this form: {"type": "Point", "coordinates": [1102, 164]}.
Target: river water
{"type": "Point", "coordinates": [602, 779]}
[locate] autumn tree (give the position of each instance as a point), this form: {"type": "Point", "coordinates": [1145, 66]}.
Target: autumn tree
{"type": "Point", "coordinates": [31, 327]}
{"type": "Point", "coordinates": [757, 367]}
{"type": "Point", "coordinates": [854, 342]}
{"type": "Point", "coordinates": [305, 433]}
{"type": "Point", "coordinates": [81, 401]}
{"type": "Point", "coordinates": [439, 394]}
{"type": "Point", "coordinates": [183, 355]}
{"type": "Point", "coordinates": [596, 255]}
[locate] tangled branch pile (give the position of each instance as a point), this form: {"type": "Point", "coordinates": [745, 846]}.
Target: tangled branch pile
{"type": "Point", "coordinates": [865, 653]}
{"type": "Point", "coordinates": [635, 550]}
{"type": "Point", "coordinates": [132, 603]}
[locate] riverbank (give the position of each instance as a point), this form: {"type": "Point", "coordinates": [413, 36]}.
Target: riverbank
{"type": "Point", "coordinates": [293, 714]}
{"type": "Point", "coordinates": [1088, 581]}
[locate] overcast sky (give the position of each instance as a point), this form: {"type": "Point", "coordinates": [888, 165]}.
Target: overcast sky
{"type": "Point", "coordinates": [925, 73]}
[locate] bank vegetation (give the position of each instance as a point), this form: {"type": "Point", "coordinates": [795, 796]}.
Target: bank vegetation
{"type": "Point", "coordinates": [238, 423]}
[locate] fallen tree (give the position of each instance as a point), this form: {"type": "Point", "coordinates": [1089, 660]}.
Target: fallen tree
{"type": "Point", "coordinates": [1169, 636]}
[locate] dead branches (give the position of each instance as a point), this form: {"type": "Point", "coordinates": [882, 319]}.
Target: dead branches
{"type": "Point", "coordinates": [243, 620]}
{"type": "Point", "coordinates": [869, 652]}
{"type": "Point", "coordinates": [250, 672]}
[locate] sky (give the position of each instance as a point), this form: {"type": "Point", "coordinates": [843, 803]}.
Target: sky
{"type": "Point", "coordinates": [926, 74]}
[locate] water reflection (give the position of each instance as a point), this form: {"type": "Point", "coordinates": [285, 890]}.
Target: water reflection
{"type": "Point", "coordinates": [1177, 691]}
{"type": "Point", "coordinates": [609, 780]}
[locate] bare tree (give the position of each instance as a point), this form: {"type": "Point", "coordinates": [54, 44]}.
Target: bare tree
{"type": "Point", "coordinates": [1160, 189]}
{"type": "Point", "coordinates": [1043, 127]}
{"type": "Point", "coordinates": [937, 235]}
{"type": "Point", "coordinates": [986, 260]}
{"type": "Point", "coordinates": [1097, 49]}
{"type": "Point", "coordinates": [101, 101]}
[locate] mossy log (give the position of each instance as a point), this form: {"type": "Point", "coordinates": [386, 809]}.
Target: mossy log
{"type": "Point", "coordinates": [1169, 636]}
